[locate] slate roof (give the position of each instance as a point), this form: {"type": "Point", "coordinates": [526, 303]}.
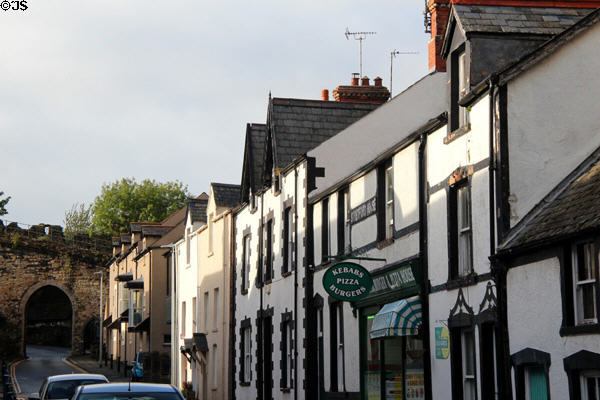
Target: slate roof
{"type": "Point", "coordinates": [156, 230]}
{"type": "Point", "coordinates": [549, 47]}
{"type": "Point", "coordinates": [226, 195]}
{"type": "Point", "coordinates": [572, 207]}
{"type": "Point", "coordinates": [257, 135]}
{"type": "Point", "coordinates": [521, 20]}
{"type": "Point", "coordinates": [136, 227]}
{"type": "Point", "coordinates": [296, 126]}
{"type": "Point", "coordinates": [197, 208]}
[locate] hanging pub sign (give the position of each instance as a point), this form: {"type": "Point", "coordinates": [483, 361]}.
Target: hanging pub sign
{"type": "Point", "coordinates": [347, 281]}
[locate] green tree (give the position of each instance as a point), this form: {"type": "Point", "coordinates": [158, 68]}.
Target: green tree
{"type": "Point", "coordinates": [3, 203]}
{"type": "Point", "coordinates": [126, 201]}
{"type": "Point", "coordinates": [78, 220]}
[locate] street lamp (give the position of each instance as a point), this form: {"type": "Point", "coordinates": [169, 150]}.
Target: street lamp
{"type": "Point", "coordinates": [100, 321]}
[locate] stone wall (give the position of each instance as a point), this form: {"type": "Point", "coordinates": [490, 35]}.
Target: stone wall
{"type": "Point", "coordinates": [29, 262]}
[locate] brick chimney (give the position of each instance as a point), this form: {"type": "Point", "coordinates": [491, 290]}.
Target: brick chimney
{"type": "Point", "coordinates": [363, 93]}
{"type": "Point", "coordinates": [439, 11]}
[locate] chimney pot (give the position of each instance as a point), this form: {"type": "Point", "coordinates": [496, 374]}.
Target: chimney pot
{"type": "Point", "coordinates": [378, 81]}
{"type": "Point", "coordinates": [325, 95]}
{"type": "Point", "coordinates": [364, 81]}
{"type": "Point", "coordinates": [354, 81]}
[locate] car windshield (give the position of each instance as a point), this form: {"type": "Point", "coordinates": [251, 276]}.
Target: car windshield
{"type": "Point", "coordinates": [65, 389]}
{"type": "Point", "coordinates": [130, 396]}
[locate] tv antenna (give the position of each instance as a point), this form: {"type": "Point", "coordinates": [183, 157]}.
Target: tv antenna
{"type": "Point", "coordinates": [393, 54]}
{"type": "Point", "coordinates": [360, 36]}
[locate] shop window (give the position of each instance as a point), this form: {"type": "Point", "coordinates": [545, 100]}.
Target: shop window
{"type": "Point", "coordinates": [268, 246]}
{"type": "Point", "coordinates": [288, 244]}
{"type": "Point", "coordinates": [320, 351]}
{"type": "Point", "coordinates": [531, 374]}
{"type": "Point", "coordinates": [393, 367]}
{"type": "Point", "coordinates": [336, 356]}
{"type": "Point", "coordinates": [245, 264]}
{"type": "Point", "coordinates": [325, 240]}
{"type": "Point", "coordinates": [460, 233]}
{"type": "Point", "coordinates": [385, 202]}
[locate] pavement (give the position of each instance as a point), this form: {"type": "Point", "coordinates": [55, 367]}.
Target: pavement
{"type": "Point", "coordinates": [91, 365]}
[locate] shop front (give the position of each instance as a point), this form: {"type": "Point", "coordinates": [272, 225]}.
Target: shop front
{"type": "Point", "coordinates": [391, 338]}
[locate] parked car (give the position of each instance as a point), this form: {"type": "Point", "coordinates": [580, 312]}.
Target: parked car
{"type": "Point", "coordinates": [63, 386]}
{"type": "Point", "coordinates": [128, 391]}
{"type": "Point", "coordinates": [137, 369]}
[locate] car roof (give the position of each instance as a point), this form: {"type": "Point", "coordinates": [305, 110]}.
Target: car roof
{"type": "Point", "coordinates": [135, 387]}
{"type": "Point", "coordinates": [70, 377]}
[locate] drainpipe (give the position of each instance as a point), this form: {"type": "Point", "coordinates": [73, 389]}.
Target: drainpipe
{"type": "Point", "coordinates": [174, 339]}
{"type": "Point", "coordinates": [497, 267]}
{"type": "Point", "coordinates": [262, 286]}
{"type": "Point", "coordinates": [423, 242]}
{"type": "Point", "coordinates": [295, 282]}
{"type": "Point", "coordinates": [231, 305]}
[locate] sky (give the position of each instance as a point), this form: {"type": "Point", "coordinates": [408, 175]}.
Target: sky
{"type": "Point", "coordinates": [94, 91]}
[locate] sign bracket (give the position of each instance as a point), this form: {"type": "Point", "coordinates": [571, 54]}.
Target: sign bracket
{"type": "Point", "coordinates": [341, 258]}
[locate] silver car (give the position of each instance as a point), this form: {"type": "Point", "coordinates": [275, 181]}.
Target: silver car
{"type": "Point", "coordinates": [63, 386]}
{"type": "Point", "coordinates": [128, 391]}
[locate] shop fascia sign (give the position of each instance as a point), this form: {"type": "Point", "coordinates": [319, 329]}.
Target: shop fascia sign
{"type": "Point", "coordinates": [347, 281]}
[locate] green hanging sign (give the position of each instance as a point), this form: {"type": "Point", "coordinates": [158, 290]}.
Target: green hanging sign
{"type": "Point", "coordinates": [347, 281]}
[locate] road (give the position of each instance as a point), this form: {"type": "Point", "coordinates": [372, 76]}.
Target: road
{"type": "Point", "coordinates": [42, 361]}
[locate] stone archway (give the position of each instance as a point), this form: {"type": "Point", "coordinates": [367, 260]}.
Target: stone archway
{"type": "Point", "coordinates": [32, 293]}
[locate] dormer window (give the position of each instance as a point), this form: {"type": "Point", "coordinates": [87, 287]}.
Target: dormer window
{"type": "Point", "coordinates": [463, 89]}
{"type": "Point", "coordinates": [460, 86]}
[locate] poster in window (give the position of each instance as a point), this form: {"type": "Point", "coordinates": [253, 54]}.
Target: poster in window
{"type": "Point", "coordinates": [415, 384]}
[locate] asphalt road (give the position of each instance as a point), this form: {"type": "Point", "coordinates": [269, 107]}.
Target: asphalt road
{"type": "Point", "coordinates": [41, 362]}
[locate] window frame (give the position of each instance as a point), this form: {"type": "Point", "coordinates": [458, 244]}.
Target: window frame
{"type": "Point", "coordinates": [571, 322]}
{"type": "Point", "coordinates": [455, 231]}
{"type": "Point", "coordinates": [459, 87]}
{"type": "Point", "coordinates": [385, 221]}
{"type": "Point", "coordinates": [246, 246]}
{"type": "Point", "coordinates": [268, 251]}
{"type": "Point", "coordinates": [288, 242]}
{"type": "Point", "coordinates": [325, 231]}
{"type": "Point", "coordinates": [286, 349]}
{"type": "Point", "coordinates": [245, 360]}
{"type": "Point", "coordinates": [579, 315]}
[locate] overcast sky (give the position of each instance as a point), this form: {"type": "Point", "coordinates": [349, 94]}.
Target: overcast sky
{"type": "Point", "coordinates": [93, 91]}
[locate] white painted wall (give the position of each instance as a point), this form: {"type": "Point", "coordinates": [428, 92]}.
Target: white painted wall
{"type": "Point", "coordinates": [535, 316]}
{"type": "Point", "coordinates": [380, 130]}
{"type": "Point", "coordinates": [552, 120]}
{"type": "Point", "coordinates": [280, 293]}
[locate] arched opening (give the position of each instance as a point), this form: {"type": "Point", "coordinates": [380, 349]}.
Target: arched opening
{"type": "Point", "coordinates": [48, 318]}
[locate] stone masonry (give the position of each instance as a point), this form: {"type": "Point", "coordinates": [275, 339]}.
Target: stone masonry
{"type": "Point", "coordinates": [29, 262]}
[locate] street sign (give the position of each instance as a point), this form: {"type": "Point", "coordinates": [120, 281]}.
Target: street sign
{"type": "Point", "coordinates": [347, 281]}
